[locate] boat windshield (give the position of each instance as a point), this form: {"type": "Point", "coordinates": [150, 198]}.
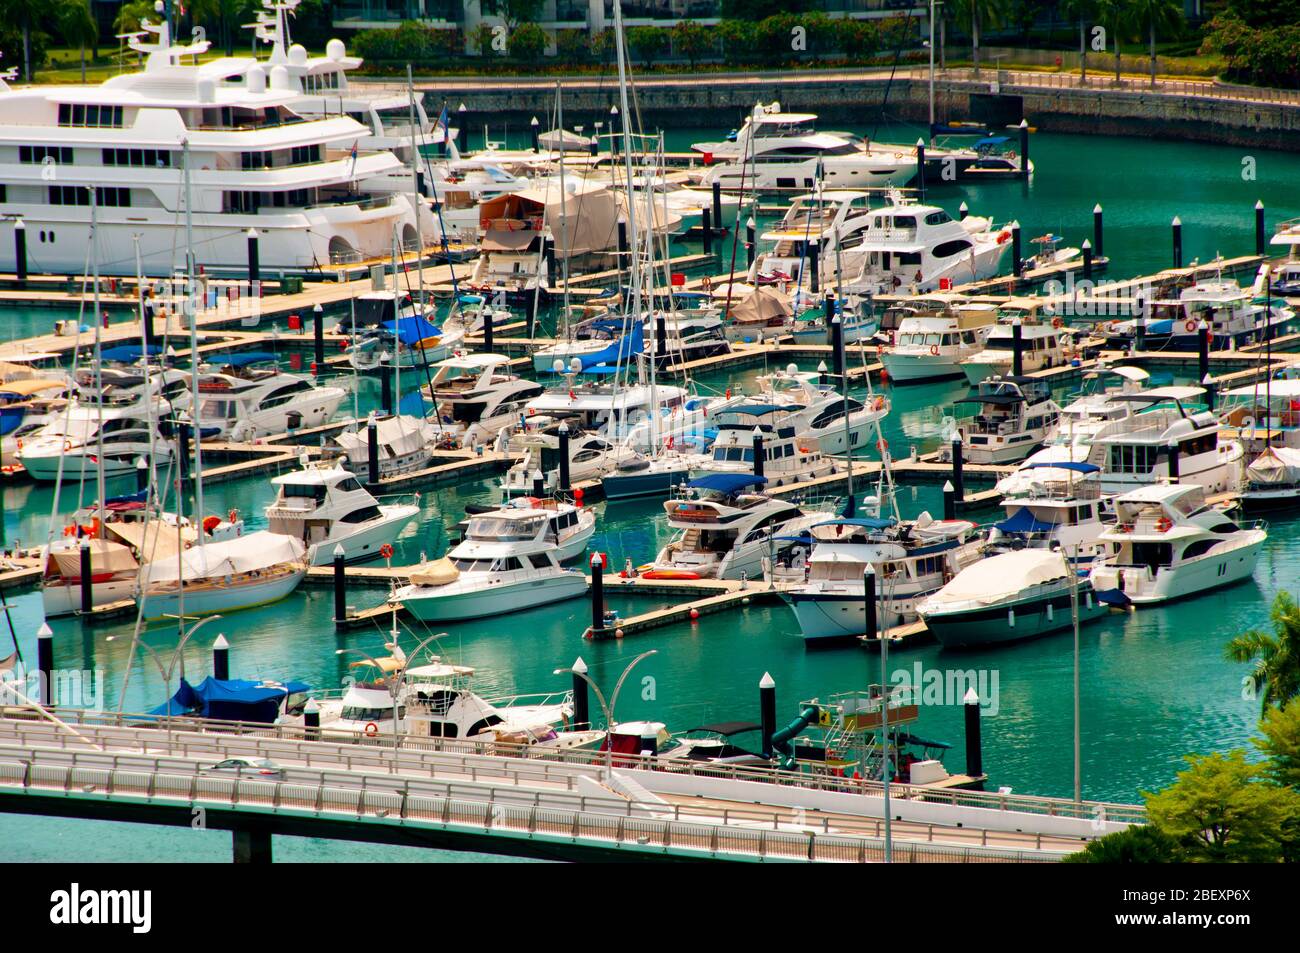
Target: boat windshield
{"type": "Point", "coordinates": [498, 528]}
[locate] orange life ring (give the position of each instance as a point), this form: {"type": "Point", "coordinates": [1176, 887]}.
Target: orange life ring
{"type": "Point", "coordinates": [934, 350]}
{"type": "Point", "coordinates": [371, 729]}
{"type": "Point", "coordinates": [1163, 524]}
{"type": "Point", "coordinates": [882, 444]}
{"type": "Point", "coordinates": [1190, 325]}
{"type": "Point", "coordinates": [1057, 323]}
{"type": "Point", "coordinates": [67, 445]}
{"type": "Point", "coordinates": [232, 516]}
{"type": "Point", "coordinates": [386, 551]}
{"type": "Point", "coordinates": [20, 443]}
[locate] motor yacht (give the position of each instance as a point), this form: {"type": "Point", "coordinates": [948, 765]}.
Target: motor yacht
{"type": "Point", "coordinates": [245, 395]}
{"type": "Point", "coordinates": [508, 561]}
{"type": "Point", "coordinates": [1061, 509]}
{"type": "Point", "coordinates": [1042, 346]}
{"type": "Point", "coordinates": [570, 526]}
{"type": "Point", "coordinates": [590, 457]}
{"type": "Point", "coordinates": [932, 346]}
{"type": "Point", "coordinates": [474, 396]}
{"type": "Point", "coordinates": [1015, 415]}
{"type": "Point", "coordinates": [1168, 542]}
{"type": "Point", "coordinates": [403, 444]}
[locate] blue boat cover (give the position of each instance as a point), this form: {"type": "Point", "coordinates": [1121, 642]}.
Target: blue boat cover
{"type": "Point", "coordinates": [1113, 597]}
{"type": "Point", "coordinates": [992, 141]}
{"type": "Point", "coordinates": [1065, 465]}
{"type": "Point", "coordinates": [727, 482]}
{"type": "Point", "coordinates": [1024, 521]}
{"type": "Point", "coordinates": [608, 359]}
{"type": "Point", "coordinates": [865, 522]}
{"type": "Point", "coordinates": [1163, 326]}
{"type": "Point", "coordinates": [129, 353]}
{"type": "Point", "coordinates": [412, 330]}
{"type": "Point", "coordinates": [242, 359]}
{"type": "Point", "coordinates": [233, 700]}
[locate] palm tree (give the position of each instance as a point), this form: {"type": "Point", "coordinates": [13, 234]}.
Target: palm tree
{"type": "Point", "coordinates": [77, 24]}
{"type": "Point", "coordinates": [1276, 675]}
{"type": "Point", "coordinates": [978, 12]}
{"type": "Point", "coordinates": [1085, 11]}
{"type": "Point", "coordinates": [1152, 15]}
{"type": "Point", "coordinates": [1115, 14]}
{"type": "Point", "coordinates": [27, 14]}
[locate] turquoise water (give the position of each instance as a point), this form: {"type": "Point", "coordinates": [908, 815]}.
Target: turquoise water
{"type": "Point", "coordinates": [1154, 683]}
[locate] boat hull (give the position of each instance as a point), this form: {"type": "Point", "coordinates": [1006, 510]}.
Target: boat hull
{"type": "Point", "coordinates": [366, 542]}
{"type": "Point", "coordinates": [66, 599]}
{"type": "Point", "coordinates": [827, 618]}
{"type": "Point", "coordinates": [1200, 575]}
{"type": "Point", "coordinates": [493, 600]}
{"type": "Point", "coordinates": [1015, 620]}
{"type": "Point", "coordinates": [905, 368]}
{"type": "Point", "coordinates": [221, 598]}
{"type": "Point", "coordinates": [626, 486]}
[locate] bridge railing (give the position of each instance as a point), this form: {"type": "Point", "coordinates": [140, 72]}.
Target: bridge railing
{"type": "Point", "coordinates": [205, 738]}
{"type": "Point", "coordinates": [421, 802]}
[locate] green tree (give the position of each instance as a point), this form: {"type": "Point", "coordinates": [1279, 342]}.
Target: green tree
{"type": "Point", "coordinates": [692, 40]}
{"type": "Point", "coordinates": [1229, 36]}
{"type": "Point", "coordinates": [527, 42]}
{"type": "Point", "coordinates": [1281, 743]}
{"type": "Point", "coordinates": [647, 42]}
{"type": "Point", "coordinates": [29, 16]}
{"type": "Point", "coordinates": [859, 39]}
{"type": "Point", "coordinates": [571, 46]}
{"type": "Point", "coordinates": [738, 40]}
{"type": "Point", "coordinates": [981, 13]}
{"type": "Point", "coordinates": [1219, 810]}
{"type": "Point", "coordinates": [1152, 16]}
{"type": "Point", "coordinates": [1138, 844]}
{"type": "Point", "coordinates": [77, 25]}
{"type": "Point", "coordinates": [1085, 11]}
{"type": "Point", "coordinates": [1276, 675]}
{"type": "Point", "coordinates": [130, 14]}
{"type": "Point", "coordinates": [1115, 15]}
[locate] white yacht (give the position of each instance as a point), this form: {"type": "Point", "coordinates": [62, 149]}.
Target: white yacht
{"type": "Point", "coordinates": [324, 506]}
{"type": "Point", "coordinates": [569, 527]}
{"type": "Point", "coordinates": [1015, 415]}
{"type": "Point", "coordinates": [404, 444]}
{"type": "Point", "coordinates": [933, 346]}
{"type": "Point", "coordinates": [245, 395]}
{"type": "Point", "coordinates": [832, 218]}
{"type": "Point", "coordinates": [591, 456]}
{"type": "Point", "coordinates": [1041, 346]}
{"type": "Point", "coordinates": [1138, 449]}
{"type": "Point", "coordinates": [1167, 543]}
{"type": "Point", "coordinates": [638, 415]}
{"type": "Point", "coordinates": [816, 410]}
{"type": "Point", "coordinates": [1009, 597]}
{"type": "Point", "coordinates": [253, 163]}
{"type": "Point", "coordinates": [476, 394]}
{"type": "Point", "coordinates": [788, 458]}
{"type": "Point", "coordinates": [1061, 510]}
{"type": "Point", "coordinates": [1265, 417]}
{"type": "Point", "coordinates": [781, 150]}
{"type": "Point", "coordinates": [81, 440]}
{"type": "Point", "coordinates": [409, 340]}
{"type": "Point", "coordinates": [726, 529]}
{"type": "Point", "coordinates": [507, 562]}
{"type": "Point", "coordinates": [909, 560]}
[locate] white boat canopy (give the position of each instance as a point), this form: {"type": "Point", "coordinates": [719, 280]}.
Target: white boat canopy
{"type": "Point", "coordinates": [1001, 577]}
{"type": "Point", "coordinates": [245, 554]}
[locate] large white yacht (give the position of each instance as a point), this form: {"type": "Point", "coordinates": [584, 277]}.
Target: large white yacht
{"type": "Point", "coordinates": [788, 457]}
{"type": "Point", "coordinates": [1061, 510]}
{"type": "Point", "coordinates": [507, 562]}
{"type": "Point", "coordinates": [909, 560]}
{"type": "Point", "coordinates": [726, 529]}
{"type": "Point", "coordinates": [251, 162]}
{"type": "Point", "coordinates": [1167, 542]}
{"type": "Point", "coordinates": [324, 506]}
{"type": "Point", "coordinates": [929, 346]}
{"type": "Point", "coordinates": [246, 395]}
{"type": "Point", "coordinates": [782, 150]}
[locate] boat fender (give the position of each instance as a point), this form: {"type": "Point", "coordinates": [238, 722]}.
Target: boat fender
{"type": "Point", "coordinates": [232, 516]}
{"type": "Point", "coordinates": [882, 444]}
{"type": "Point", "coordinates": [1058, 323]}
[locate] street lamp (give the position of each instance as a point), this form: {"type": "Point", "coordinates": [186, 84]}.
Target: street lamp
{"type": "Point", "coordinates": [176, 654]}
{"type": "Point", "coordinates": [608, 709]}
{"type": "Point", "coordinates": [394, 684]}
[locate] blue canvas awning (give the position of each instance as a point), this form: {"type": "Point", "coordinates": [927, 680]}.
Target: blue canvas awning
{"type": "Point", "coordinates": [1065, 465]}
{"type": "Point", "coordinates": [760, 410]}
{"type": "Point", "coordinates": [242, 359]}
{"type": "Point", "coordinates": [1024, 521]}
{"type": "Point", "coordinates": [412, 330]}
{"type": "Point", "coordinates": [604, 360]}
{"type": "Point", "coordinates": [230, 700]}
{"type": "Point", "coordinates": [863, 522]}
{"type": "Point", "coordinates": [129, 353]}
{"type": "Point", "coordinates": [727, 482]}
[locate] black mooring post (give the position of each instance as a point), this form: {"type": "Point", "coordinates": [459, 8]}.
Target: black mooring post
{"type": "Point", "coordinates": [386, 387]}
{"type": "Point", "coordinates": [318, 335]}
{"type": "Point", "coordinates": [871, 620]}
{"type": "Point", "coordinates": [20, 252]}
{"type": "Point", "coordinates": [958, 483]}
{"type": "Point", "coordinates": [717, 206]}
{"type": "Point", "coordinates": [581, 701]}
{"type": "Point", "coordinates": [1087, 260]}
{"type": "Point", "coordinates": [949, 501]}
{"type": "Point", "coordinates": [597, 593]}
{"type": "Point", "coordinates": [1017, 263]}
{"type": "Point", "coordinates": [372, 454]}
{"type": "Point", "coordinates": [708, 231]}
{"type": "Point", "coordinates": [1017, 349]}
{"type": "Point", "coordinates": [974, 750]}
{"type": "Point", "coordinates": [254, 260]}
{"type": "Point", "coordinates": [1261, 239]}
{"type": "Point", "coordinates": [920, 168]}
{"type": "Point", "coordinates": [564, 486]}
{"type": "Point", "coordinates": [221, 659]}
{"type": "Point", "coordinates": [1173, 461]}
{"type": "Point", "coordinates": [340, 586]}
{"type": "Point", "coordinates": [311, 720]}
{"type": "Point", "coordinates": [1177, 228]}
{"type": "Point", "coordinates": [45, 664]}
{"type": "Point", "coordinates": [837, 346]}
{"type": "Point", "coordinates": [758, 452]}
{"type": "Point", "coordinates": [489, 319]}
{"type": "Point", "coordinates": [661, 335]}
{"type": "Point", "coordinates": [751, 228]}
{"type": "Point", "coordinates": [87, 579]}
{"type": "Point", "coordinates": [814, 264]}
{"type": "Point", "coordinates": [1203, 349]}
{"type": "Point", "coordinates": [1097, 230]}
{"type": "Point", "coordinates": [767, 712]}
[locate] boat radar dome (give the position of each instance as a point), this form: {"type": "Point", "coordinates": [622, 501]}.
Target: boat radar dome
{"type": "Point", "coordinates": [335, 50]}
{"type": "Point", "coordinates": [575, 364]}
{"type": "Point", "coordinates": [280, 78]}
{"type": "Point", "coordinates": [298, 55]}
{"type": "Point", "coordinates": [256, 80]}
{"type": "Point", "coordinates": [558, 366]}
{"type": "Point", "coordinates": [792, 369]}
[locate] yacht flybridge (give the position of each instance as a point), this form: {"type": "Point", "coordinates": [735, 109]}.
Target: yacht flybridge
{"type": "Point", "coordinates": [251, 162]}
{"type": "Point", "coordinates": [780, 150]}
{"type": "Point", "coordinates": [476, 396]}
{"type": "Point", "coordinates": [1015, 415]}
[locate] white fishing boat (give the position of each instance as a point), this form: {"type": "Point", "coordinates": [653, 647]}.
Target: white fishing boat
{"type": "Point", "coordinates": [786, 457]}
{"type": "Point", "coordinates": [1015, 415]}
{"type": "Point", "coordinates": [927, 347]}
{"type": "Point", "coordinates": [726, 527]}
{"type": "Point", "coordinates": [907, 560]}
{"type": "Point", "coordinates": [1042, 345]}
{"type": "Point", "coordinates": [1167, 542]}
{"type": "Point", "coordinates": [506, 563]}
{"type": "Point", "coordinates": [79, 441]}
{"type": "Point", "coordinates": [1009, 597]}
{"type": "Point", "coordinates": [325, 507]}
{"type": "Point", "coordinates": [245, 395]}
{"type": "Point", "coordinates": [590, 457]}
{"type": "Point", "coordinates": [250, 570]}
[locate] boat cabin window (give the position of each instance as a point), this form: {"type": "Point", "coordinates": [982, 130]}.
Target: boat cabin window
{"type": "Point", "coordinates": [948, 249]}
{"type": "Point", "coordinates": [928, 565]}
{"type": "Point", "coordinates": [482, 725]}
{"type": "Point", "coordinates": [1152, 555]}
{"type": "Point", "coordinates": [363, 515]}
{"type": "Point", "coordinates": [540, 560]}
{"type": "Point", "coordinates": [734, 454]}
{"type": "Point", "coordinates": [1131, 459]}
{"type": "Point", "coordinates": [1199, 547]}
{"type": "Point", "coordinates": [349, 485]}
{"type": "Point", "coordinates": [357, 713]}
{"type": "Point", "coordinates": [509, 563]}
{"type": "Point", "coordinates": [285, 393]}
{"type": "Point", "coordinates": [303, 491]}
{"type": "Point", "coordinates": [472, 565]}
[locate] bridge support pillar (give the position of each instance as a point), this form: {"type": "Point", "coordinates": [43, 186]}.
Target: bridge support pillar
{"type": "Point", "coordinates": [252, 847]}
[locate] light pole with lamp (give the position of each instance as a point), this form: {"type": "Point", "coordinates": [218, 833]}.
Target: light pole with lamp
{"type": "Point", "coordinates": [394, 683]}
{"type": "Point", "coordinates": [167, 671]}
{"type": "Point", "coordinates": [608, 709]}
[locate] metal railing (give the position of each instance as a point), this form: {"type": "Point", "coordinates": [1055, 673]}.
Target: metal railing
{"type": "Point", "coordinates": [1100, 82]}
{"type": "Point", "coordinates": [558, 766]}
{"type": "Point", "coordinates": [488, 810]}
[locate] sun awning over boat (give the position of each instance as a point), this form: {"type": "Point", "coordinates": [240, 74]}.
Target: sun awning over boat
{"type": "Point", "coordinates": [763, 304]}
{"type": "Point", "coordinates": [1024, 521]}
{"type": "Point", "coordinates": [105, 556]}
{"type": "Point", "coordinates": [153, 540]}
{"type": "Point", "coordinates": [727, 482]}
{"type": "Point", "coordinates": [865, 522]}
{"type": "Point", "coordinates": [32, 385]}
{"type": "Point", "coordinates": [1002, 577]}
{"type": "Point", "coordinates": [610, 357]}
{"type": "Point", "coordinates": [502, 240]}
{"type": "Point", "coordinates": [413, 330]}
{"type": "Point", "coordinates": [1078, 467]}
{"type": "Point", "coordinates": [129, 353]}
{"type": "Point", "coordinates": [254, 552]}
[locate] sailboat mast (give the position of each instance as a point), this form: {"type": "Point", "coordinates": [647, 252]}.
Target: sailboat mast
{"type": "Point", "coordinates": [99, 361]}
{"type": "Point", "coordinates": [564, 218]}
{"type": "Point", "coordinates": [415, 193]}
{"type": "Point", "coordinates": [192, 309]}
{"type": "Point", "coordinates": [635, 276]}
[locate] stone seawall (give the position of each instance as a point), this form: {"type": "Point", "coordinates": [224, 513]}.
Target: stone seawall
{"type": "Point", "coordinates": [852, 98]}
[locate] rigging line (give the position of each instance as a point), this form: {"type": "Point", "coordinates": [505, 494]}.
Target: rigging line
{"type": "Point", "coordinates": [893, 69]}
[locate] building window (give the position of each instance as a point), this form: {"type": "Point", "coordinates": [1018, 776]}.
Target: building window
{"type": "Point", "coordinates": [99, 117]}
{"type": "Point", "coordinates": [61, 154]}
